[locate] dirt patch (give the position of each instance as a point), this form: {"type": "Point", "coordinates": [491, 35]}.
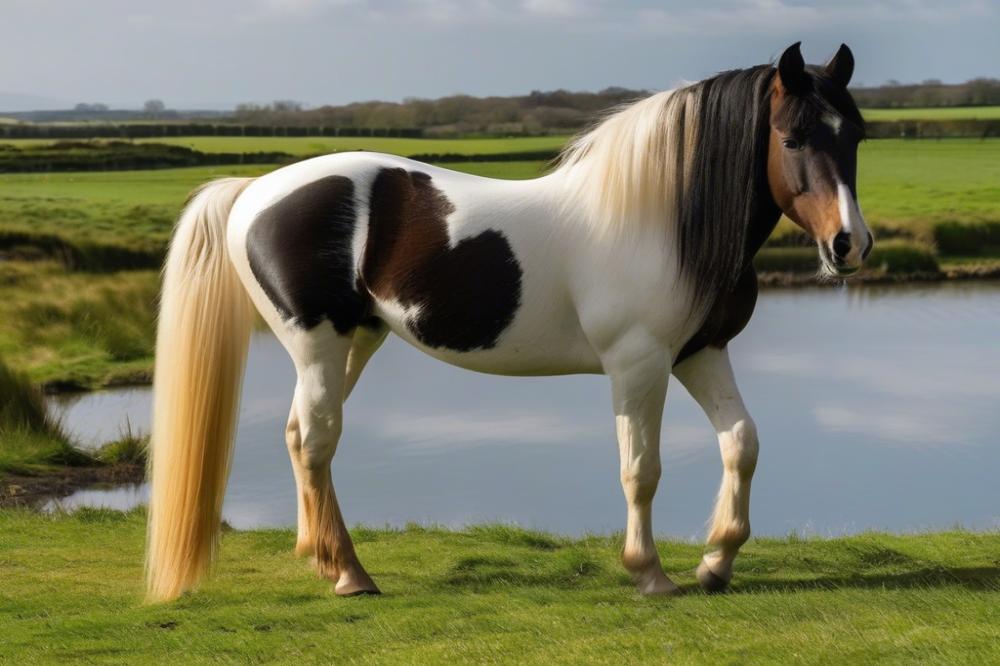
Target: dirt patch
{"type": "Point", "coordinates": [33, 491]}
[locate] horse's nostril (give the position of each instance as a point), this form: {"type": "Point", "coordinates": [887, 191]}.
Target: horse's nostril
{"type": "Point", "coordinates": [868, 250]}
{"type": "Point", "coordinates": [842, 245]}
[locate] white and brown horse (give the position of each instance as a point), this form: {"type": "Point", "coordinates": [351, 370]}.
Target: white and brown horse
{"type": "Point", "coordinates": [632, 258]}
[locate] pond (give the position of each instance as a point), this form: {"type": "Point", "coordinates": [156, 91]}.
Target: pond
{"type": "Point", "coordinates": [877, 407]}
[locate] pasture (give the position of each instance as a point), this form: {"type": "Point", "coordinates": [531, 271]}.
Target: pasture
{"type": "Point", "coordinates": [934, 113]}
{"type": "Point", "coordinates": [497, 594]}
{"type": "Point", "coordinates": [320, 145]}
{"type": "Point", "coordinates": [79, 330]}
{"type": "Point", "coordinates": [905, 187]}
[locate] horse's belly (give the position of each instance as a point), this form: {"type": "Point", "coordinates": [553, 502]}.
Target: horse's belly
{"type": "Point", "coordinates": [557, 347]}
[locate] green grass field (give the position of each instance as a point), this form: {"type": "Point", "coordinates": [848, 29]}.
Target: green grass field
{"type": "Point", "coordinates": [72, 590]}
{"type": "Point", "coordinates": [902, 183]}
{"type": "Point", "coordinates": [912, 182]}
{"type": "Point", "coordinates": [77, 330]}
{"type": "Point", "coordinates": [905, 186]}
{"type": "Point", "coordinates": [934, 113]}
{"type": "Point", "coordinates": [319, 145]}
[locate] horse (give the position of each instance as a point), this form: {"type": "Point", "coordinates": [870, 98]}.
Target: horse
{"type": "Point", "coordinates": [631, 258]}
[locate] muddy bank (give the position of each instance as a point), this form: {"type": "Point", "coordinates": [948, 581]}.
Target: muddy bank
{"type": "Point", "coordinates": [33, 491]}
{"type": "Point", "coordinates": [789, 279]}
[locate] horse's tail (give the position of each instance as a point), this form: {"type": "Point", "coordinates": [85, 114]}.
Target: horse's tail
{"type": "Point", "coordinates": [201, 348]}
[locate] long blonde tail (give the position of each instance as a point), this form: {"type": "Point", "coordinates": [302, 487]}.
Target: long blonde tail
{"type": "Point", "coordinates": [201, 349]}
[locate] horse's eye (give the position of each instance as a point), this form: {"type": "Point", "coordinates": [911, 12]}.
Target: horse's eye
{"type": "Point", "coordinates": [791, 144]}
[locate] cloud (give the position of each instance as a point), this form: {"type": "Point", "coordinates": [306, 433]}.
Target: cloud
{"type": "Point", "coordinates": [558, 8]}
{"type": "Point", "coordinates": [920, 428]}
{"type": "Point", "coordinates": [962, 377]}
{"type": "Point", "coordinates": [437, 432]}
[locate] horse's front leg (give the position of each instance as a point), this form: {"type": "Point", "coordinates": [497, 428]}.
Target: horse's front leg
{"type": "Point", "coordinates": [639, 388]}
{"type": "Point", "coordinates": [708, 376]}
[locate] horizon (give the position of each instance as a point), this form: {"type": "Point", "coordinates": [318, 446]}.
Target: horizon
{"type": "Point", "coordinates": [215, 57]}
{"type": "Point", "coordinates": [222, 109]}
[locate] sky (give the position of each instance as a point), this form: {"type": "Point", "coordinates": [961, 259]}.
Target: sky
{"type": "Point", "coordinates": [217, 53]}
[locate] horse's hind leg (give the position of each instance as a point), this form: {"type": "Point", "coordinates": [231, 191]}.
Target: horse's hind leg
{"type": "Point", "coordinates": [314, 429]}
{"type": "Point", "coordinates": [366, 341]}
{"type": "Point", "coordinates": [708, 376]}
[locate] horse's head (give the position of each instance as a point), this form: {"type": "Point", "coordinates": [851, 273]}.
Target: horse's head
{"type": "Point", "coordinates": [813, 155]}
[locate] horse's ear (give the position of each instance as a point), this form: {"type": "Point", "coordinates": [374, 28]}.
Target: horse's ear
{"type": "Point", "coordinates": [792, 69]}
{"type": "Point", "coordinates": [841, 66]}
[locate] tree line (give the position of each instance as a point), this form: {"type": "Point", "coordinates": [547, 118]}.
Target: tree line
{"type": "Point", "coordinates": [930, 93]}
{"type": "Point", "coordinates": [560, 111]}
{"type": "Point", "coordinates": [539, 112]}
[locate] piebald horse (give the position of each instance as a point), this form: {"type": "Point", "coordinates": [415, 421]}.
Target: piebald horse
{"type": "Point", "coordinates": [631, 258]}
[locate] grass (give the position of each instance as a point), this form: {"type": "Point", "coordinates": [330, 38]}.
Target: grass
{"type": "Point", "coordinates": [497, 594]}
{"type": "Point", "coordinates": [127, 208]}
{"type": "Point", "coordinates": [906, 187]}
{"type": "Point", "coordinates": [934, 113]}
{"type": "Point", "coordinates": [31, 441]}
{"type": "Point", "coordinates": [319, 145]}
{"type": "Point", "coordinates": [892, 257]}
{"type": "Point", "coordinates": [34, 443]}
{"type": "Point", "coordinates": [77, 330]}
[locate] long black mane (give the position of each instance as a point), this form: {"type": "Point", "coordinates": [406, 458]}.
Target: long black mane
{"type": "Point", "coordinates": [727, 211]}
{"type": "Point", "coordinates": [729, 162]}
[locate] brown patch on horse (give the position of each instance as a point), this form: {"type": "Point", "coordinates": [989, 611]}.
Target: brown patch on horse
{"type": "Point", "coordinates": [465, 296]}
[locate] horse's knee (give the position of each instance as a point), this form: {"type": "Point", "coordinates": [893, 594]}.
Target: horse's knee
{"type": "Point", "coordinates": [318, 444]}
{"type": "Point", "coordinates": [739, 447]}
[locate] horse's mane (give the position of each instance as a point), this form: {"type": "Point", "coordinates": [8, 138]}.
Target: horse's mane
{"type": "Point", "coordinates": [688, 160]}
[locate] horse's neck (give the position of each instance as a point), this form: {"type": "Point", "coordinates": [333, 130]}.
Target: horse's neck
{"type": "Point", "coordinates": [763, 221]}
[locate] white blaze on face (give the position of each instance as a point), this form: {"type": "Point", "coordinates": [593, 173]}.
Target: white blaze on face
{"type": "Point", "coordinates": [852, 222]}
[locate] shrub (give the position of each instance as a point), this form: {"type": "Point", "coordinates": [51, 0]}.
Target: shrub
{"type": "Point", "coordinates": [30, 439]}
{"type": "Point", "coordinates": [890, 256]}
{"type": "Point", "coordinates": [956, 238]}
{"type": "Point", "coordinates": [787, 259]}
{"type": "Point", "coordinates": [901, 256]}
{"type": "Point", "coordinates": [130, 448]}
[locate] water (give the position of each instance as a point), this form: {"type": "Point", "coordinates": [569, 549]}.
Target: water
{"type": "Point", "coordinates": [878, 407]}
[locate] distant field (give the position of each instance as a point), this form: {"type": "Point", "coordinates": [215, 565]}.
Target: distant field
{"type": "Point", "coordinates": [132, 207]}
{"type": "Point", "coordinates": [903, 185]}
{"type": "Point", "coordinates": [935, 113]}
{"type": "Point", "coordinates": [918, 182]}
{"type": "Point", "coordinates": [317, 145]}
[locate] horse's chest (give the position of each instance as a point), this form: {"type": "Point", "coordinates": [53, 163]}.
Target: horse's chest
{"type": "Point", "coordinates": [728, 316]}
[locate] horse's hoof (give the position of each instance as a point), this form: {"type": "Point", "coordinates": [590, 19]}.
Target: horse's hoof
{"type": "Point", "coordinates": [709, 581]}
{"type": "Point", "coordinates": [355, 583]}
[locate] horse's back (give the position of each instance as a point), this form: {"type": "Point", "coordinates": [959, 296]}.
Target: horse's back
{"type": "Point", "coordinates": [460, 266]}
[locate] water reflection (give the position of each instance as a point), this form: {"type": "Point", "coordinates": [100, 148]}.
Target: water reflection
{"type": "Point", "coordinates": [877, 408]}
